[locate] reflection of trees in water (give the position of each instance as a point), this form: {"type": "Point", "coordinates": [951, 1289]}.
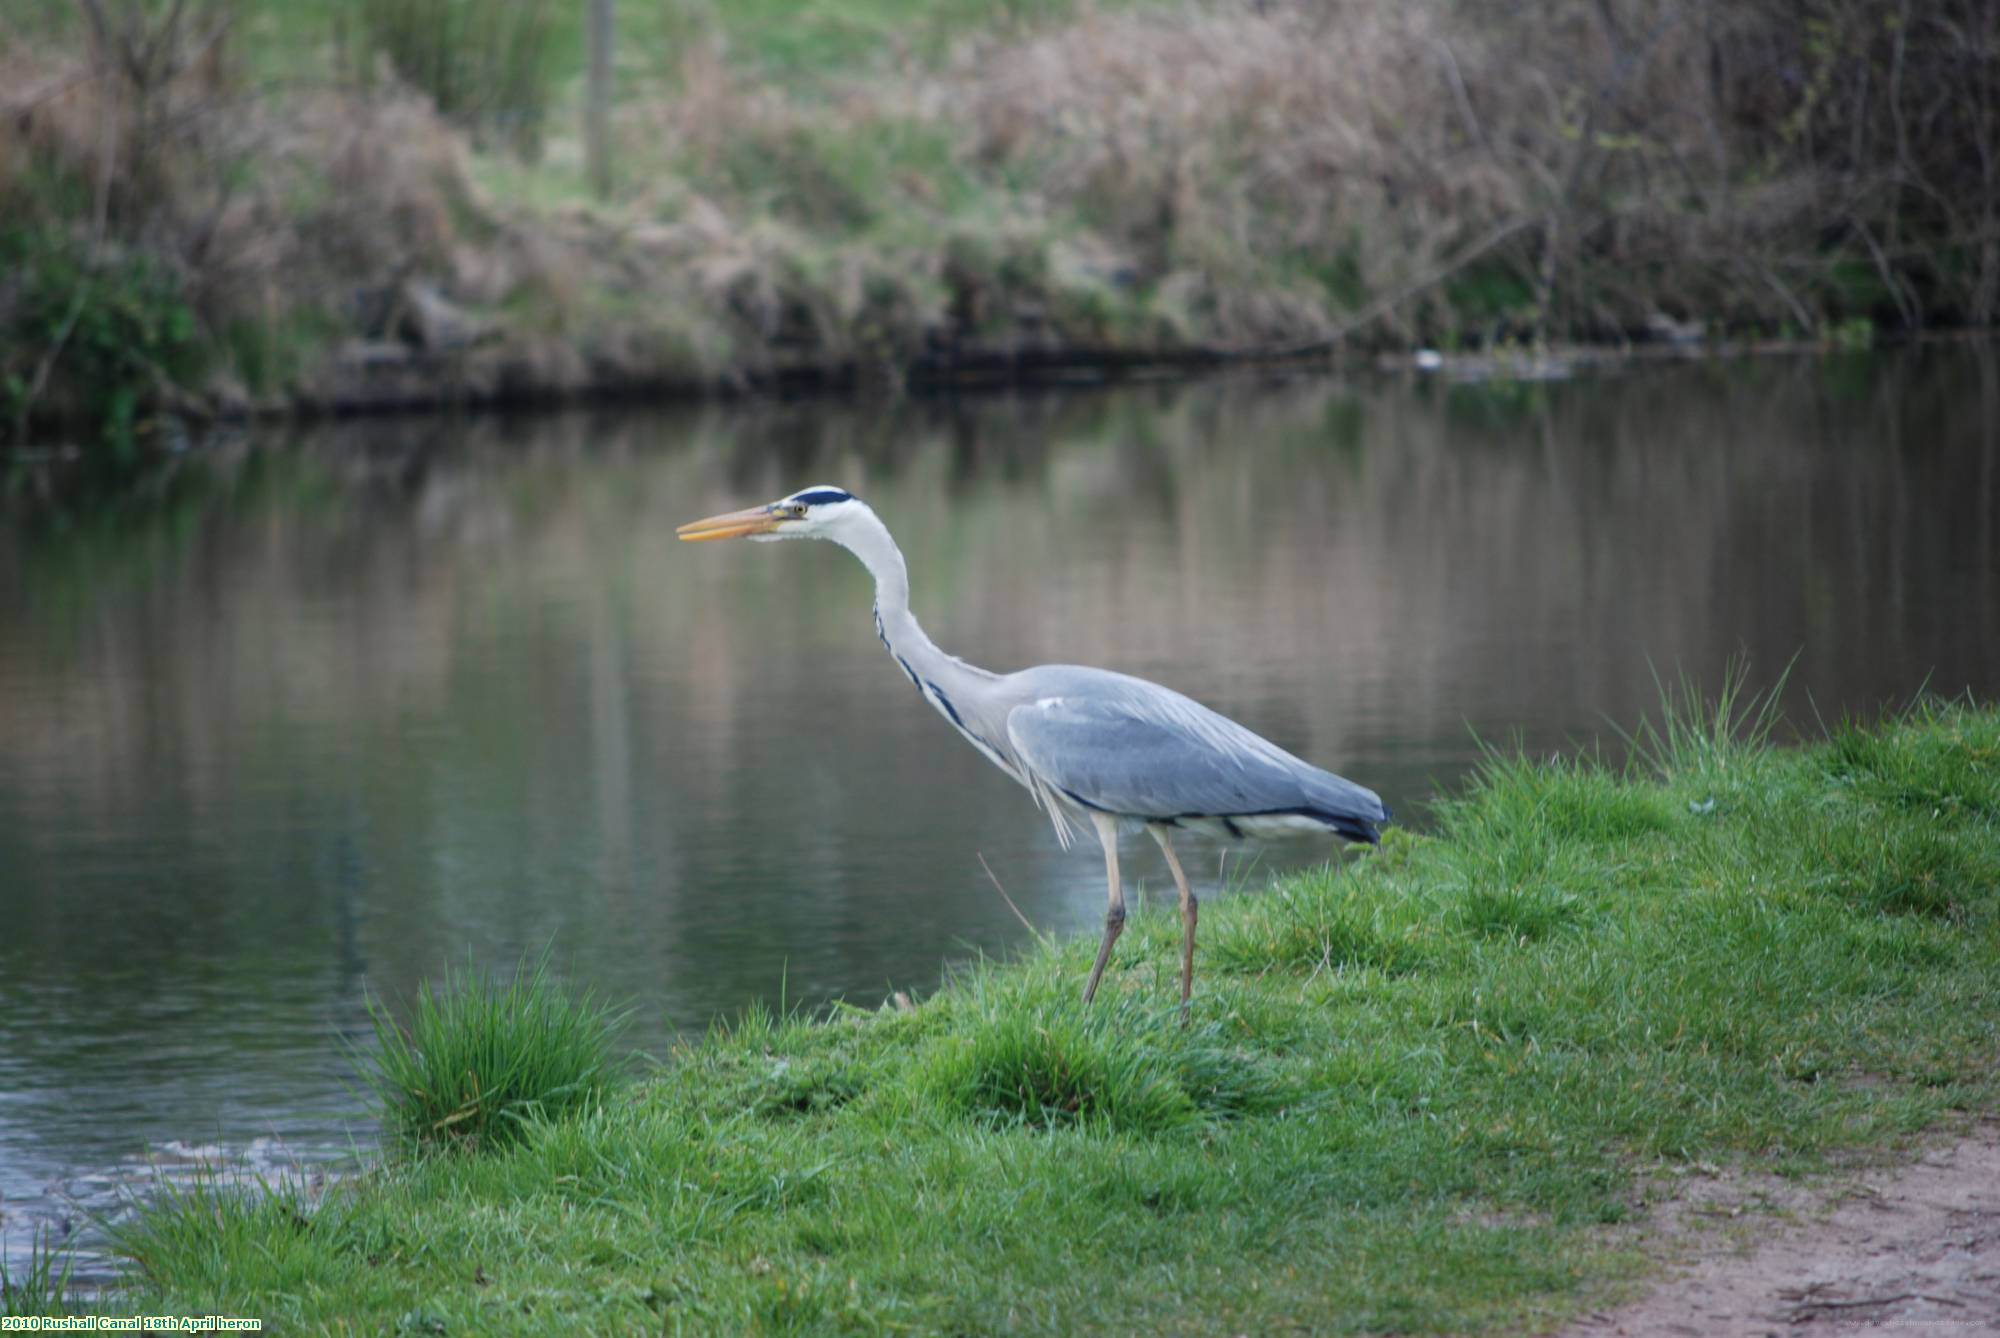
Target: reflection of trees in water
{"type": "Point", "coordinates": [468, 661]}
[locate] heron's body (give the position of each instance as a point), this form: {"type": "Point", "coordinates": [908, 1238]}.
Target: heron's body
{"type": "Point", "coordinates": [1088, 741]}
{"type": "Point", "coordinates": [1088, 744]}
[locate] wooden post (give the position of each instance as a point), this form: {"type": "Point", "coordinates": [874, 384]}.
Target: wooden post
{"type": "Point", "coordinates": [597, 99]}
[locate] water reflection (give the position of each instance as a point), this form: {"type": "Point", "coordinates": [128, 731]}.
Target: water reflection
{"type": "Point", "coordinates": [307, 718]}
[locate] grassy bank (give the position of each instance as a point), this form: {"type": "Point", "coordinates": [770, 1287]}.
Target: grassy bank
{"type": "Point", "coordinates": [1424, 1090]}
{"type": "Point", "coordinates": [213, 208]}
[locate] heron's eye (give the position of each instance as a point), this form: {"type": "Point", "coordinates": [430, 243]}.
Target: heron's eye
{"type": "Point", "coordinates": [797, 510]}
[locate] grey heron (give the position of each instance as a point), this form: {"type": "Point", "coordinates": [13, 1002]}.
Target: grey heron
{"type": "Point", "coordinates": [1088, 744]}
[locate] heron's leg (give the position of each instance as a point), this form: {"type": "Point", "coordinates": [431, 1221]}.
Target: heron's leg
{"type": "Point", "coordinates": [1190, 911]}
{"type": "Point", "coordinates": [1114, 918]}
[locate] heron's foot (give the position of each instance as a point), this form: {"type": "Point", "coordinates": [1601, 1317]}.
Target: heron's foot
{"type": "Point", "coordinates": [1114, 924]}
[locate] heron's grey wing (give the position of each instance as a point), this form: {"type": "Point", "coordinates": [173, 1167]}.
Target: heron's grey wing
{"type": "Point", "coordinates": [1143, 751]}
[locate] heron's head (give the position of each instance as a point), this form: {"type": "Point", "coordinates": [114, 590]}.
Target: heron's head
{"type": "Point", "coordinates": [818, 512]}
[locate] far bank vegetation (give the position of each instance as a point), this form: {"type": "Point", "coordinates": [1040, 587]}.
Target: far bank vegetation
{"type": "Point", "coordinates": [210, 207]}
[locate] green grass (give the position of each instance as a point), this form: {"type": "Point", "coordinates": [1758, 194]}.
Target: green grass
{"type": "Point", "coordinates": [37, 1286]}
{"type": "Point", "coordinates": [1416, 1088]}
{"type": "Point", "coordinates": [789, 40]}
{"type": "Point", "coordinates": [781, 39]}
{"type": "Point", "coordinates": [479, 1061]}
{"type": "Point", "coordinates": [801, 45]}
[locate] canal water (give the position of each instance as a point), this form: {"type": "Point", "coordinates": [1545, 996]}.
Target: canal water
{"type": "Point", "coordinates": [305, 717]}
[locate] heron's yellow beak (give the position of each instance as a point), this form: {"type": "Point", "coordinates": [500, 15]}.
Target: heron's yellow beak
{"type": "Point", "coordinates": [731, 524]}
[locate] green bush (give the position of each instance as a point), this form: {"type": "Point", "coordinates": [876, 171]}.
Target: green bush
{"type": "Point", "coordinates": [89, 339]}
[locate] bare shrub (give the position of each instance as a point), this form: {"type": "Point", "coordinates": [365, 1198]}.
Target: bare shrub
{"type": "Point", "coordinates": [1733, 161]}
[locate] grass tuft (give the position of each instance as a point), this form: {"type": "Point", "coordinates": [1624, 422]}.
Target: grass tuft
{"type": "Point", "coordinates": [42, 1287]}
{"type": "Point", "coordinates": [1713, 739]}
{"type": "Point", "coordinates": [479, 1060]}
{"type": "Point", "coordinates": [1561, 800]}
{"type": "Point", "coordinates": [1063, 1066]}
{"type": "Point", "coordinates": [1521, 914]}
{"type": "Point", "coordinates": [810, 1089]}
{"type": "Point", "coordinates": [200, 1230]}
{"type": "Point", "coordinates": [1951, 769]}
{"type": "Point", "coordinates": [1921, 871]}
{"type": "Point", "coordinates": [1334, 926]}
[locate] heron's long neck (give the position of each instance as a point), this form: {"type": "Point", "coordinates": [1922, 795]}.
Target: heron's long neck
{"type": "Point", "coordinates": [869, 540]}
{"type": "Point", "coordinates": [964, 694]}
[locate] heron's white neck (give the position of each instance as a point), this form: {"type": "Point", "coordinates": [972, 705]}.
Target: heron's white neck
{"type": "Point", "coordinates": [868, 539]}
{"type": "Point", "coordinates": [969, 697]}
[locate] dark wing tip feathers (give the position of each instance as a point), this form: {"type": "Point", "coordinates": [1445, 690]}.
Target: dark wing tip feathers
{"type": "Point", "coordinates": [1355, 829]}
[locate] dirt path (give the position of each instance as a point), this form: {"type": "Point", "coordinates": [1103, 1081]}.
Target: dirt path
{"type": "Point", "coordinates": [1905, 1250]}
